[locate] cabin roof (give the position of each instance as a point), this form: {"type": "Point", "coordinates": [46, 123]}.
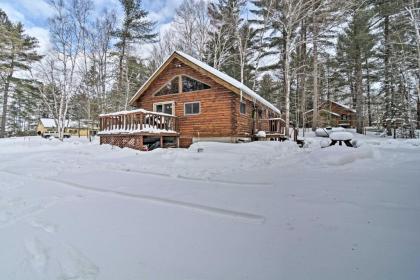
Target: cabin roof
{"type": "Point", "coordinates": [341, 105]}
{"type": "Point", "coordinates": [326, 111]}
{"type": "Point", "coordinates": [214, 72]}
{"type": "Point", "coordinates": [47, 123]}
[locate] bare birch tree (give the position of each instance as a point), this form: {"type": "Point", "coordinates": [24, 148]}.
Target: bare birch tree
{"type": "Point", "coordinates": [59, 72]}
{"type": "Point", "coordinates": [100, 41]}
{"type": "Point", "coordinates": [190, 27]}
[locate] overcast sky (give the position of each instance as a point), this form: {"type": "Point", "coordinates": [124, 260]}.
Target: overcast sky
{"type": "Point", "coordinates": [34, 14]}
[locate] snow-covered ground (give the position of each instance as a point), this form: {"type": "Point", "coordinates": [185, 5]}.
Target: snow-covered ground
{"type": "Point", "coordinates": [263, 210]}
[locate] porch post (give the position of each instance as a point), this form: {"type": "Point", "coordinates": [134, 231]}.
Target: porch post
{"type": "Point", "coordinates": [141, 142]}
{"type": "Point", "coordinates": [141, 120]}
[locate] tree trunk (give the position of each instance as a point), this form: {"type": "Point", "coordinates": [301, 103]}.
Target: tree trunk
{"type": "Point", "coordinates": [418, 112]}
{"type": "Point", "coordinates": [315, 83]}
{"type": "Point", "coordinates": [127, 88]}
{"type": "Point", "coordinates": [359, 97]}
{"type": "Point", "coordinates": [302, 76]}
{"type": "Point", "coordinates": [121, 66]}
{"type": "Point", "coordinates": [388, 99]}
{"type": "Point", "coordinates": [4, 113]}
{"type": "Point", "coordinates": [286, 67]}
{"type": "Point", "coordinates": [369, 109]}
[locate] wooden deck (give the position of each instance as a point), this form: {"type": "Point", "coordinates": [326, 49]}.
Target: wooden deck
{"type": "Point", "coordinates": [274, 128]}
{"type": "Point", "coordinates": [138, 121]}
{"type": "Point", "coordinates": [138, 128]}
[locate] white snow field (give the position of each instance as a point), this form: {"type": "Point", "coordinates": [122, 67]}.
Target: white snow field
{"type": "Point", "coordinates": [262, 210]}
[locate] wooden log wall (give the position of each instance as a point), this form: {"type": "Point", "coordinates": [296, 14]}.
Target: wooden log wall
{"type": "Point", "coordinates": [219, 107]}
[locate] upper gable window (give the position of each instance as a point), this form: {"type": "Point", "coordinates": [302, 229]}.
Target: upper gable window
{"type": "Point", "coordinates": [170, 88]}
{"type": "Point", "coordinates": [189, 84]}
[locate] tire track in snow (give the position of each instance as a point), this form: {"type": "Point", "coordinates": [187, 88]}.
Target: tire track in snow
{"type": "Point", "coordinates": [250, 217]}
{"type": "Point", "coordinates": [192, 179]}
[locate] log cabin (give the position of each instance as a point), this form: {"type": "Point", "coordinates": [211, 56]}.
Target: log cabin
{"type": "Point", "coordinates": [332, 114]}
{"type": "Point", "coordinates": [186, 101]}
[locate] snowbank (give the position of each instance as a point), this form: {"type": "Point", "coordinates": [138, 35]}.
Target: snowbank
{"type": "Point", "coordinates": [261, 134]}
{"type": "Point", "coordinates": [321, 132]}
{"type": "Point", "coordinates": [78, 210]}
{"type": "Point", "coordinates": [341, 136]}
{"type": "Point", "coordinates": [341, 155]}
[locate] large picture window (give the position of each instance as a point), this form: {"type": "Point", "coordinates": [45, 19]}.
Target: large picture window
{"type": "Point", "coordinates": [192, 108]}
{"type": "Point", "coordinates": [170, 88]}
{"type": "Point", "coordinates": [189, 84]}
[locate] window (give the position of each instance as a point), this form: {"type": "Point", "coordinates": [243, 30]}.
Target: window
{"type": "Point", "coordinates": [170, 88]}
{"type": "Point", "coordinates": [243, 107]}
{"type": "Point", "coordinates": [164, 107]}
{"type": "Point", "coordinates": [344, 117]}
{"type": "Point", "coordinates": [189, 84]}
{"type": "Point", "coordinates": [192, 108]}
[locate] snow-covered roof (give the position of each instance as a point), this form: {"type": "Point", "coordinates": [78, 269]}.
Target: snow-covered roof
{"type": "Point", "coordinates": [47, 123]}
{"type": "Point", "coordinates": [50, 123]}
{"type": "Point", "coordinates": [326, 111]}
{"type": "Point", "coordinates": [235, 83]}
{"type": "Point", "coordinates": [343, 106]}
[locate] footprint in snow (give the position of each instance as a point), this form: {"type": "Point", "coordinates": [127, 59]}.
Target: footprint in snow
{"type": "Point", "coordinates": [57, 260]}
{"type": "Point", "coordinates": [50, 228]}
{"type": "Point", "coordinates": [10, 185]}
{"type": "Point", "coordinates": [37, 254]}
{"type": "Point", "coordinates": [13, 210]}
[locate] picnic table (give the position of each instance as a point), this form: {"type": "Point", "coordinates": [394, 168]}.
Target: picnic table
{"type": "Point", "coordinates": [341, 137]}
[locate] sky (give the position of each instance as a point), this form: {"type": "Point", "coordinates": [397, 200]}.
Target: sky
{"type": "Point", "coordinates": [34, 14]}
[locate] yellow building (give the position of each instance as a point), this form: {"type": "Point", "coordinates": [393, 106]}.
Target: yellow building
{"type": "Point", "coordinates": [73, 128]}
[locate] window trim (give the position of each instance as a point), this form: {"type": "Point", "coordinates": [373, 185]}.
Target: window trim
{"type": "Point", "coordinates": [168, 82]}
{"type": "Point", "coordinates": [163, 103]}
{"type": "Point", "coordinates": [193, 114]}
{"type": "Point", "coordinates": [182, 85]}
{"type": "Point", "coordinates": [240, 103]}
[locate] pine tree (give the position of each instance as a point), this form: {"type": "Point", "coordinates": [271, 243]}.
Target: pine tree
{"type": "Point", "coordinates": [356, 44]}
{"type": "Point", "coordinates": [326, 14]}
{"type": "Point", "coordinates": [385, 10]}
{"type": "Point", "coordinates": [17, 53]}
{"type": "Point", "coordinates": [267, 88]}
{"type": "Point", "coordinates": [135, 28]}
{"type": "Point", "coordinates": [222, 49]}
